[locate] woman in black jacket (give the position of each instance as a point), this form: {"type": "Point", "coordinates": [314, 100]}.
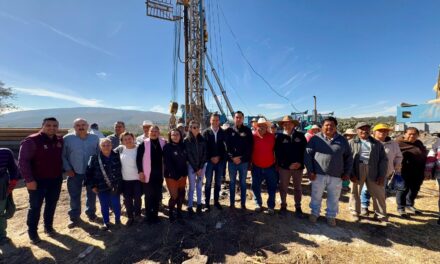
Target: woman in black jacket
{"type": "Point", "coordinates": [176, 171]}
{"type": "Point", "coordinates": [195, 146]}
{"type": "Point", "coordinates": [104, 176]}
{"type": "Point", "coordinates": [413, 171]}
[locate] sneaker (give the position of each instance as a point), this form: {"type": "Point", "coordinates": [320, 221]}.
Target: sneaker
{"type": "Point", "coordinates": [105, 227]}
{"type": "Point", "coordinates": [199, 209]}
{"type": "Point", "coordinates": [270, 211]}
{"type": "Point", "coordinates": [208, 208]}
{"type": "Point", "coordinates": [313, 218]}
{"type": "Point", "coordinates": [331, 221]}
{"type": "Point", "coordinates": [402, 213]}
{"type": "Point", "coordinates": [218, 206]}
{"type": "Point", "coordinates": [258, 209]}
{"type": "Point", "coordinates": [364, 211]}
{"type": "Point", "coordinates": [355, 218]}
{"type": "Point", "coordinates": [35, 238]}
{"type": "Point", "coordinates": [118, 224]}
{"type": "Point", "coordinates": [382, 219]}
{"type": "Point", "coordinates": [50, 232]}
{"type": "Point", "coordinates": [413, 210]}
{"type": "Point", "coordinates": [299, 213]}
{"type": "Point", "coordinates": [72, 224]}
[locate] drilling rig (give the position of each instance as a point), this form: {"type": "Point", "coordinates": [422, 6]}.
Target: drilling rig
{"type": "Point", "coordinates": [195, 38]}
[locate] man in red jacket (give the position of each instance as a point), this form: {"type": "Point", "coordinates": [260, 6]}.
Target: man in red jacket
{"type": "Point", "coordinates": [41, 166]}
{"type": "Point", "coordinates": [263, 165]}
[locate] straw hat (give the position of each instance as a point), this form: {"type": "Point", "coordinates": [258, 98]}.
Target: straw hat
{"type": "Point", "coordinates": [349, 131]}
{"type": "Point", "coordinates": [288, 118]}
{"type": "Point", "coordinates": [263, 121]}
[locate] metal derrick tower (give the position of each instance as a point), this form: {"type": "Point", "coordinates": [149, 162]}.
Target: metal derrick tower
{"type": "Point", "coordinates": [195, 36]}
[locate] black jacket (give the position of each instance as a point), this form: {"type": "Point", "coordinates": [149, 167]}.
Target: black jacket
{"type": "Point", "coordinates": [112, 166]}
{"type": "Point", "coordinates": [215, 149]}
{"type": "Point", "coordinates": [196, 151]}
{"type": "Point", "coordinates": [290, 149]}
{"type": "Point", "coordinates": [239, 142]}
{"type": "Point", "coordinates": [174, 156]}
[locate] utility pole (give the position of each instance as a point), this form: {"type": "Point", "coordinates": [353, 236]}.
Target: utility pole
{"type": "Point", "coordinates": [315, 111]}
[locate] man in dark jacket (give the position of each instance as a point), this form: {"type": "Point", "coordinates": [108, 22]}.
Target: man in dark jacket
{"type": "Point", "coordinates": [370, 164]}
{"type": "Point", "coordinates": [8, 179]}
{"type": "Point", "coordinates": [216, 152]}
{"type": "Point", "coordinates": [289, 152]}
{"type": "Point", "coordinates": [41, 165]}
{"type": "Point", "coordinates": [239, 142]}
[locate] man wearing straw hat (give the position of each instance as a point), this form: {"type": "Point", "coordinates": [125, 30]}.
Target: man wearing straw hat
{"type": "Point", "coordinates": [289, 151]}
{"type": "Point", "coordinates": [263, 165]}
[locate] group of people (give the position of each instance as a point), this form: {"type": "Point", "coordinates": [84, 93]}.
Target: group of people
{"type": "Point", "coordinates": [123, 164]}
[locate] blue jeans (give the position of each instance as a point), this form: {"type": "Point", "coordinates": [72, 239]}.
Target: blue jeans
{"type": "Point", "coordinates": [270, 176]}
{"type": "Point", "coordinates": [195, 182]}
{"type": "Point", "coordinates": [219, 170]}
{"type": "Point", "coordinates": [333, 186]}
{"type": "Point", "coordinates": [242, 171]}
{"type": "Point", "coordinates": [105, 199]}
{"type": "Point", "coordinates": [74, 187]}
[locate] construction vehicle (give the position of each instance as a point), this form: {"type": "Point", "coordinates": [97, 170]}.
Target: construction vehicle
{"type": "Point", "coordinates": [195, 36]}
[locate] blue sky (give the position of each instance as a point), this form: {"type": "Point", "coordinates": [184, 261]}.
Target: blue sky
{"type": "Point", "coordinates": [359, 58]}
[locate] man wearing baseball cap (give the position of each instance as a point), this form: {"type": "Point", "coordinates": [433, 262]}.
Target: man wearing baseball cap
{"type": "Point", "coordinates": [380, 133]}
{"type": "Point", "coordinates": [370, 165]}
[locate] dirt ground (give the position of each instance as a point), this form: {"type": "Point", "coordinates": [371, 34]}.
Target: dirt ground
{"type": "Point", "coordinates": [235, 237]}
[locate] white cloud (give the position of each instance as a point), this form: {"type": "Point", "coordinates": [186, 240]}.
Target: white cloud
{"type": "Point", "coordinates": [12, 17]}
{"type": "Point", "coordinates": [158, 108]}
{"type": "Point", "coordinates": [130, 107]}
{"type": "Point", "coordinates": [77, 40]}
{"type": "Point", "coordinates": [272, 106]}
{"type": "Point", "coordinates": [102, 75]}
{"type": "Point", "coordinates": [57, 95]}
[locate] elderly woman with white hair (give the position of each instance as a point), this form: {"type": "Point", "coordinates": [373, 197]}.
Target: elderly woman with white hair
{"type": "Point", "coordinates": [104, 177]}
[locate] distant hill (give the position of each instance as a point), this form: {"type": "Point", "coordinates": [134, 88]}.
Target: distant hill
{"type": "Point", "coordinates": [105, 117]}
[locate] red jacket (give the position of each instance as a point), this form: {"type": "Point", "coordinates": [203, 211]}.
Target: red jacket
{"type": "Point", "coordinates": [263, 155]}
{"type": "Point", "coordinates": [40, 157]}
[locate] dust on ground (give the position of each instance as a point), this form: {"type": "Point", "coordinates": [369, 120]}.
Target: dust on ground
{"type": "Point", "coordinates": [240, 236]}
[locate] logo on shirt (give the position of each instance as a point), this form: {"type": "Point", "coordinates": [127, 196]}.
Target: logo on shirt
{"type": "Point", "coordinates": [285, 140]}
{"type": "Point", "coordinates": [243, 134]}
{"type": "Point", "coordinates": [45, 147]}
{"type": "Point", "coordinates": [233, 134]}
{"type": "Point", "coordinates": [175, 153]}
{"type": "Point", "coordinates": [59, 145]}
{"type": "Point", "coordinates": [297, 140]}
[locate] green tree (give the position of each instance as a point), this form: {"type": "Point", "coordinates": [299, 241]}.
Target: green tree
{"type": "Point", "coordinates": [6, 94]}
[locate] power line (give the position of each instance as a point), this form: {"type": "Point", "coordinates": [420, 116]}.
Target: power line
{"type": "Point", "coordinates": [250, 65]}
